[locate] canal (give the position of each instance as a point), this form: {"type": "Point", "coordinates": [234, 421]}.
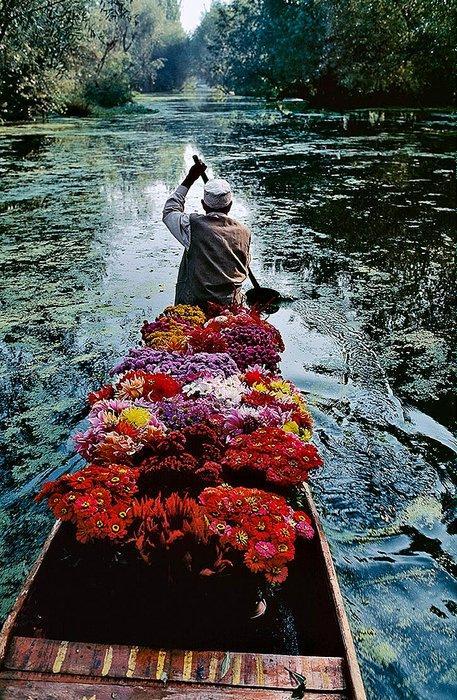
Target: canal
{"type": "Point", "coordinates": [352, 220]}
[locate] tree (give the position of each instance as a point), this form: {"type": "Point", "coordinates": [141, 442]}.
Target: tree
{"type": "Point", "coordinates": [159, 47]}
{"type": "Point", "coordinates": [38, 42]}
{"type": "Point", "coordinates": [226, 47]}
{"type": "Point", "coordinates": [405, 49]}
{"type": "Point", "coordinates": [360, 51]}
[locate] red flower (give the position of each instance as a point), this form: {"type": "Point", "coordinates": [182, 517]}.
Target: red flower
{"type": "Point", "coordinates": [160, 386]}
{"type": "Point", "coordinates": [126, 428]}
{"type": "Point", "coordinates": [277, 574]}
{"type": "Point", "coordinates": [207, 340]}
{"type": "Point", "coordinates": [160, 525]}
{"type": "Point", "coordinates": [254, 377]}
{"type": "Point", "coordinates": [256, 523]}
{"type": "Point", "coordinates": [94, 499]}
{"type": "Point", "coordinates": [183, 460]}
{"type": "Point", "coordinates": [282, 458]}
{"type": "Point", "coordinates": [150, 386]}
{"type": "Point", "coordinates": [106, 392]}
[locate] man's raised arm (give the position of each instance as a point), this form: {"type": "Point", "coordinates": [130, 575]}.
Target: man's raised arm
{"type": "Point", "coordinates": [174, 217]}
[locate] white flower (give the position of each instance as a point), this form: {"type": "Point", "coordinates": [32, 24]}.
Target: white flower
{"type": "Point", "coordinates": [228, 390]}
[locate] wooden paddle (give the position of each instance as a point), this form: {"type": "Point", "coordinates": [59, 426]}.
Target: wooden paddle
{"type": "Point", "coordinates": [262, 297]}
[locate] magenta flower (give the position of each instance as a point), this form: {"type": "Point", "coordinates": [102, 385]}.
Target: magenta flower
{"type": "Point", "coordinates": [265, 550]}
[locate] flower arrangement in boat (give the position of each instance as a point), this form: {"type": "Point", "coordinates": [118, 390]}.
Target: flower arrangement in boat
{"type": "Point", "coordinates": [185, 313]}
{"type": "Point", "coordinates": [119, 431]}
{"type": "Point", "coordinates": [186, 460]}
{"type": "Point", "coordinates": [138, 384]}
{"type": "Point", "coordinates": [244, 336]}
{"type": "Point", "coordinates": [280, 458]}
{"type": "Point", "coordinates": [166, 334]}
{"type": "Point", "coordinates": [191, 415]}
{"type": "Point", "coordinates": [98, 500]}
{"type": "Point", "coordinates": [240, 333]}
{"type": "Point", "coordinates": [173, 528]}
{"type": "Point", "coordinates": [170, 331]}
{"type": "Point", "coordinates": [276, 393]}
{"type": "Point", "coordinates": [259, 527]}
{"type": "Point", "coordinates": [184, 368]}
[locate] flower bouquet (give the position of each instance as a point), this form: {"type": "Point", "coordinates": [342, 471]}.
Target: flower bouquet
{"type": "Point", "coordinates": [278, 458]}
{"type": "Point", "coordinates": [192, 420]}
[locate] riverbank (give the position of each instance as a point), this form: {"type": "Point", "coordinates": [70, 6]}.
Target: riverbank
{"type": "Point", "coordinates": [287, 105]}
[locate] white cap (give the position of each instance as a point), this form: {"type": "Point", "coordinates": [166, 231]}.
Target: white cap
{"type": "Point", "coordinates": [218, 194]}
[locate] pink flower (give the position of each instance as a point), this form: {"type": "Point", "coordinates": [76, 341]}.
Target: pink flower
{"type": "Point", "coordinates": [265, 550]}
{"type": "Point", "coordinates": [304, 529]}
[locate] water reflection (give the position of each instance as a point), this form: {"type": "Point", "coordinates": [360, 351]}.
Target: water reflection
{"type": "Point", "coordinates": [352, 217]}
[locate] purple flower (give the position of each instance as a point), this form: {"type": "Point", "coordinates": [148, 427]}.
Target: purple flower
{"type": "Point", "coordinates": [251, 345]}
{"type": "Point", "coordinates": [185, 368]}
{"type": "Point", "coordinates": [179, 411]}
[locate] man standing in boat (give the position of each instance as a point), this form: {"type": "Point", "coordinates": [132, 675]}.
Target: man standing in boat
{"type": "Point", "coordinates": [217, 247]}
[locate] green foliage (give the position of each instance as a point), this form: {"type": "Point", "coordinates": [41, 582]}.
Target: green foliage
{"type": "Point", "coordinates": [403, 49]}
{"type": "Point", "coordinates": [35, 40]}
{"type": "Point", "coordinates": [227, 48]}
{"type": "Point", "coordinates": [70, 56]}
{"type": "Point", "coordinates": [362, 51]}
{"type": "Point", "coordinates": [159, 47]}
{"type": "Point", "coordinates": [111, 87]}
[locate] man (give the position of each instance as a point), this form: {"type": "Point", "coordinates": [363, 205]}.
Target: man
{"type": "Point", "coordinates": [217, 247]}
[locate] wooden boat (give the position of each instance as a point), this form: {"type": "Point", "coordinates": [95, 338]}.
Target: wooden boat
{"type": "Point", "coordinates": [50, 650]}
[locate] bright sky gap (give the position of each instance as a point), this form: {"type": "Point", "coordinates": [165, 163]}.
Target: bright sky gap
{"type": "Point", "coordinates": [192, 12]}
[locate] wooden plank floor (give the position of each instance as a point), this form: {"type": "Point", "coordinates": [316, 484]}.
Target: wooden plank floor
{"type": "Point", "coordinates": [58, 659]}
{"type": "Point", "coordinates": [37, 688]}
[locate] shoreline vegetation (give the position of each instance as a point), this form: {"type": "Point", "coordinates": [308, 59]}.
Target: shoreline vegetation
{"type": "Point", "coordinates": [88, 57]}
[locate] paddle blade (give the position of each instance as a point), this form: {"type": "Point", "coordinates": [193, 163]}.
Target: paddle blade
{"type": "Point", "coordinates": [264, 298]}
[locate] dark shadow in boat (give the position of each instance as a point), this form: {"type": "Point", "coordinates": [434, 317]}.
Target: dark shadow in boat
{"type": "Point", "coordinates": [85, 593]}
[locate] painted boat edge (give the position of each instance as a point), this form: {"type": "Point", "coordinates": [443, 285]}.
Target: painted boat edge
{"type": "Point", "coordinates": [355, 681]}
{"type": "Point", "coordinates": [354, 674]}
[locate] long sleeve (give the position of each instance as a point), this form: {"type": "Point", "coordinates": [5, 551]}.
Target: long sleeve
{"type": "Point", "coordinates": [174, 217]}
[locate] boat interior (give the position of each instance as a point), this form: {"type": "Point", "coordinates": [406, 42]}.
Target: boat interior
{"type": "Point", "coordinates": [80, 595]}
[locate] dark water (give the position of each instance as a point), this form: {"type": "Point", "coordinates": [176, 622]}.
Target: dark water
{"type": "Point", "coordinates": [352, 217]}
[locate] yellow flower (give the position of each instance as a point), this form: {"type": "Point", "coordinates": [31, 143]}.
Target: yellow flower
{"type": "Point", "coordinates": [291, 427]}
{"type": "Point", "coordinates": [260, 387]}
{"type": "Point", "coordinates": [281, 386]}
{"type": "Point", "coordinates": [167, 340]}
{"type": "Point", "coordinates": [186, 312]}
{"type": "Point", "coordinates": [242, 537]}
{"type": "Point", "coordinates": [136, 415]}
{"type": "Point", "coordinates": [305, 434]}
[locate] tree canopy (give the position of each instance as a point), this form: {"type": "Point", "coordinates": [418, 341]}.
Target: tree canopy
{"type": "Point", "coordinates": [66, 55]}
{"type": "Point", "coordinates": [60, 55]}
{"type": "Point", "coordinates": [361, 51]}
